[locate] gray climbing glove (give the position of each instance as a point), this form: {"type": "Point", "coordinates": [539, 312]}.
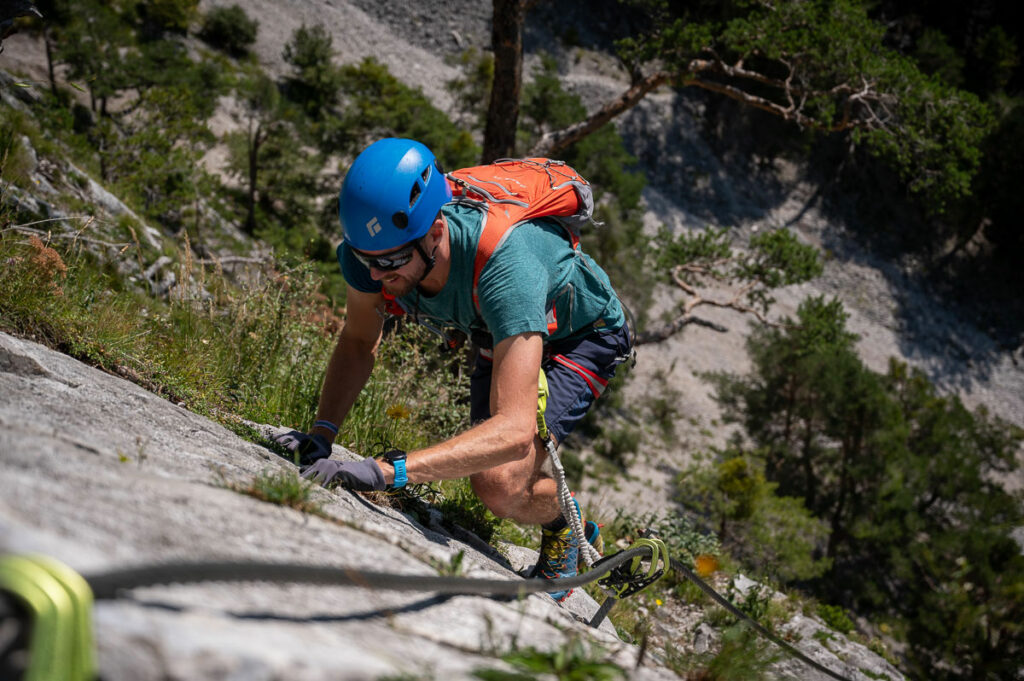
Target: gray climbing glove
{"type": "Point", "coordinates": [361, 476]}
{"type": "Point", "coordinates": [310, 448]}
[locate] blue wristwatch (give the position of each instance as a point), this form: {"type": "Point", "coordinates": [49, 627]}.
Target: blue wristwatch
{"type": "Point", "coordinates": [396, 457]}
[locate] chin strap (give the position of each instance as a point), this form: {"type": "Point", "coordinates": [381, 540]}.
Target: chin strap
{"type": "Point", "coordinates": [430, 260]}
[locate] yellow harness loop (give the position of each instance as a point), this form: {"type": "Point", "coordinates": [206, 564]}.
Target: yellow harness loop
{"type": "Point", "coordinates": [542, 405]}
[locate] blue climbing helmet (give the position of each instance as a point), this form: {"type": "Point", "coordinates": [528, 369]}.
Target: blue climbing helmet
{"type": "Point", "coordinates": [391, 195]}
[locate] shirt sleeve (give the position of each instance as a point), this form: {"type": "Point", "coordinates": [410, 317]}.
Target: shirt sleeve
{"type": "Point", "coordinates": [356, 273]}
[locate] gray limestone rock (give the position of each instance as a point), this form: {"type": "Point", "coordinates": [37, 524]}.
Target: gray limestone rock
{"type": "Point", "coordinates": [101, 474]}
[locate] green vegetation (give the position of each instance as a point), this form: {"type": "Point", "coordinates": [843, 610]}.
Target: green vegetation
{"type": "Point", "coordinates": [14, 157]}
{"type": "Point", "coordinates": [575, 661]}
{"type": "Point", "coordinates": [314, 82]}
{"type": "Point", "coordinates": [743, 656]}
{"type": "Point", "coordinates": [229, 29]}
{"type": "Point", "coordinates": [282, 487]}
{"type": "Point", "coordinates": [774, 535]}
{"type": "Point", "coordinates": [684, 539]}
{"type": "Point", "coordinates": [871, 490]}
{"type": "Point", "coordinates": [906, 481]}
{"type": "Point", "coordinates": [380, 105]}
{"type": "Point", "coordinates": [250, 351]}
{"type": "Point", "coordinates": [835, 617]}
{"type": "Point", "coordinates": [822, 65]}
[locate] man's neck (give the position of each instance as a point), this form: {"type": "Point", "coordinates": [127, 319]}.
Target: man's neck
{"type": "Point", "coordinates": [438, 277]}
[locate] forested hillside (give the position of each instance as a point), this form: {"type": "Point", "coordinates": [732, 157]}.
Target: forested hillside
{"type": "Point", "coordinates": [843, 177]}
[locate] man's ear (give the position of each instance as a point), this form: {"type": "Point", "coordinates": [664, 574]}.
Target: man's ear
{"type": "Point", "coordinates": [437, 229]}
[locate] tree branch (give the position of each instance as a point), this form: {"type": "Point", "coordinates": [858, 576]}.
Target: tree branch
{"type": "Point", "coordinates": [790, 113]}
{"type": "Point", "coordinates": [555, 142]}
{"type": "Point", "coordinates": [668, 330]}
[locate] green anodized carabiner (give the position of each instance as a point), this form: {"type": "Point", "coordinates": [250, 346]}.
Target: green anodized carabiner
{"type": "Point", "coordinates": [628, 579]}
{"type": "Point", "coordinates": [59, 602]}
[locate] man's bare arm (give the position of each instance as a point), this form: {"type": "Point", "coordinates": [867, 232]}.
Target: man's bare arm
{"type": "Point", "coordinates": [352, 360]}
{"type": "Point", "coordinates": [506, 436]}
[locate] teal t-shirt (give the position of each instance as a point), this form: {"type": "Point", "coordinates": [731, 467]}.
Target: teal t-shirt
{"type": "Point", "coordinates": [534, 276]}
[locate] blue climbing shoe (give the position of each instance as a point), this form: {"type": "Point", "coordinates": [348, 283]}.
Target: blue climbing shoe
{"type": "Point", "coordinates": [559, 556]}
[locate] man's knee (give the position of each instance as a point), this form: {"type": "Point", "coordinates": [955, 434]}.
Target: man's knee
{"type": "Point", "coordinates": [502, 494]}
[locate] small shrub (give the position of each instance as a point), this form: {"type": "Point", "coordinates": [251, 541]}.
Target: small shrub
{"type": "Point", "coordinates": [617, 444]}
{"type": "Point", "coordinates": [823, 637]}
{"type": "Point", "coordinates": [15, 159]}
{"type": "Point", "coordinates": [168, 15]}
{"type": "Point", "coordinates": [742, 656]}
{"type": "Point", "coordinates": [756, 604]}
{"type": "Point", "coordinates": [835, 617]}
{"type": "Point", "coordinates": [229, 29]}
{"type": "Point", "coordinates": [684, 540]}
{"type": "Point", "coordinates": [771, 535]}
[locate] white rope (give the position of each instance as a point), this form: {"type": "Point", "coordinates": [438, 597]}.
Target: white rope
{"type": "Point", "coordinates": [590, 554]}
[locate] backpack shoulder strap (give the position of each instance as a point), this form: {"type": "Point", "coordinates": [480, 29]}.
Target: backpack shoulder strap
{"type": "Point", "coordinates": [512, 191]}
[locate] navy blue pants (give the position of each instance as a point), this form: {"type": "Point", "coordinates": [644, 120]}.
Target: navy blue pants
{"type": "Point", "coordinates": [578, 370]}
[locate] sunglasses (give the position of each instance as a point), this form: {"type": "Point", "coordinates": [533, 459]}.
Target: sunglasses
{"type": "Point", "coordinates": [388, 261]}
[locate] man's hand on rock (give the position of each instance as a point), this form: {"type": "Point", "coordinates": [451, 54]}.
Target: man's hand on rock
{"type": "Point", "coordinates": [310, 448]}
{"type": "Point", "coordinates": [361, 476]}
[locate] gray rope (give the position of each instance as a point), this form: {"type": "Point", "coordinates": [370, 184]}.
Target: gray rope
{"type": "Point", "coordinates": [725, 603]}
{"type": "Point", "coordinates": [107, 585]}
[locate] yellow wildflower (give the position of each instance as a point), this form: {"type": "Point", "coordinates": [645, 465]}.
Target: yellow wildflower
{"type": "Point", "coordinates": [706, 564]}
{"type": "Point", "coordinates": [398, 412]}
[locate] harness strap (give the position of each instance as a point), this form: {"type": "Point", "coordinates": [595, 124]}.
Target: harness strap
{"type": "Point", "coordinates": [595, 382]}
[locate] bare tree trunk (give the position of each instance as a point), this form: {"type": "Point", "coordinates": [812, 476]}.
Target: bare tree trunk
{"type": "Point", "coordinates": [255, 141]}
{"type": "Point", "coordinates": [49, 63]}
{"type": "Point", "coordinates": [503, 110]}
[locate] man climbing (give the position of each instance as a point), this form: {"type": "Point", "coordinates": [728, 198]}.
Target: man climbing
{"type": "Point", "coordinates": [532, 301]}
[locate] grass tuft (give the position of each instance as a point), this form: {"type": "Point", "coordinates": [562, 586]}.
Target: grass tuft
{"type": "Point", "coordinates": [284, 488]}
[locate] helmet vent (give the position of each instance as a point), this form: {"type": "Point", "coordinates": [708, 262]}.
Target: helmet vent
{"type": "Point", "coordinates": [414, 194]}
{"type": "Point", "coordinates": [400, 220]}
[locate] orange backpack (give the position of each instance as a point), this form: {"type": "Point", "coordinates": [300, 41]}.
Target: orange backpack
{"type": "Point", "coordinates": [512, 191]}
